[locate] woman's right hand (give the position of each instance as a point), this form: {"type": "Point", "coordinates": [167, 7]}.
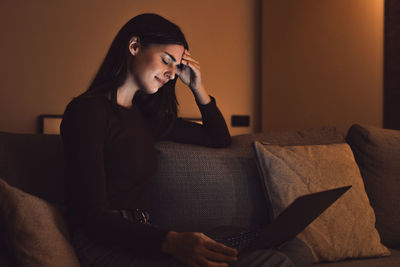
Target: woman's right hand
{"type": "Point", "coordinates": [197, 249]}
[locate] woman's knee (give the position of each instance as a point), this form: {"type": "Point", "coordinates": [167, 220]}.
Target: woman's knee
{"type": "Point", "coordinates": [263, 258]}
{"type": "Point", "coordinates": [298, 252]}
{"type": "Point", "coordinates": [293, 253]}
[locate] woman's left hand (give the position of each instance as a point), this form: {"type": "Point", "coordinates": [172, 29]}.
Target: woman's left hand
{"type": "Point", "coordinates": [189, 72]}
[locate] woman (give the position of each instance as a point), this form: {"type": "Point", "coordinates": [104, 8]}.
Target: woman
{"type": "Point", "coordinates": [108, 134]}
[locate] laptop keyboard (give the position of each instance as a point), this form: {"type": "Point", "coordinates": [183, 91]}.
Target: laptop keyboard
{"type": "Point", "coordinates": [239, 241]}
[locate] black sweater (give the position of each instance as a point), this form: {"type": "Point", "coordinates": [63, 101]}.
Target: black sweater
{"type": "Point", "coordinates": [111, 159]}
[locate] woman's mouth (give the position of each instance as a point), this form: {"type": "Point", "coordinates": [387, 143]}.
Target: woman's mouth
{"type": "Point", "coordinates": [159, 81]}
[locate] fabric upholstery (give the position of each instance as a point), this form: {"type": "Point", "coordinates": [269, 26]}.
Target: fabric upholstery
{"type": "Point", "coordinates": [22, 157]}
{"type": "Point", "coordinates": [392, 261]}
{"type": "Point", "coordinates": [35, 231]}
{"type": "Point", "coordinates": [33, 163]}
{"type": "Point", "coordinates": [344, 230]}
{"type": "Point", "coordinates": [198, 188]}
{"type": "Point", "coordinates": [314, 136]}
{"type": "Point", "coordinates": [6, 258]}
{"type": "Point", "coordinates": [377, 152]}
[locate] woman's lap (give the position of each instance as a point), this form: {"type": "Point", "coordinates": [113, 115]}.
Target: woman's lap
{"type": "Point", "coordinates": [263, 258]}
{"type": "Point", "coordinates": [91, 254]}
{"type": "Point", "coordinates": [293, 253]}
{"type": "Point", "coordinates": [94, 254]}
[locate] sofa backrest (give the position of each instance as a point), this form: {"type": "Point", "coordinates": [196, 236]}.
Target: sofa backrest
{"type": "Point", "coordinates": [34, 163]}
{"type": "Point", "coordinates": [198, 188]}
{"type": "Point", "coordinates": [195, 188]}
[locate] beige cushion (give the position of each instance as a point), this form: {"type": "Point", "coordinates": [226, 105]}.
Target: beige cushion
{"type": "Point", "coordinates": [344, 230]}
{"type": "Point", "coordinates": [34, 230]}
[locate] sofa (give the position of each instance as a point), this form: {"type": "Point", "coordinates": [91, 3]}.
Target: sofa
{"type": "Point", "coordinates": [195, 189]}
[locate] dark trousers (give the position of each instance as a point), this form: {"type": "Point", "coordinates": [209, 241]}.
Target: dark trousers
{"type": "Point", "coordinates": [293, 253]}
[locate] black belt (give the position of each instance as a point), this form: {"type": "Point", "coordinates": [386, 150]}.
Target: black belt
{"type": "Point", "coordinates": [136, 215]}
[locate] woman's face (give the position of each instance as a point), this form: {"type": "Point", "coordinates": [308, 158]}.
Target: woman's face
{"type": "Point", "coordinates": [155, 65]}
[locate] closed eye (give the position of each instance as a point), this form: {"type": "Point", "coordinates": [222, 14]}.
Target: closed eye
{"type": "Point", "coordinates": [177, 66]}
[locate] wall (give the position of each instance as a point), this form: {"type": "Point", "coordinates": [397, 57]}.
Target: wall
{"type": "Point", "coordinates": [50, 50]}
{"type": "Point", "coordinates": [322, 63]}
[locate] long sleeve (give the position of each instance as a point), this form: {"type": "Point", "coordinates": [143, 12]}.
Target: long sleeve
{"type": "Point", "coordinates": [84, 132]}
{"type": "Point", "coordinates": [213, 132]}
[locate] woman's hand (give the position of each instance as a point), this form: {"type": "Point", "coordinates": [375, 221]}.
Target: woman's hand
{"type": "Point", "coordinates": [189, 73]}
{"type": "Point", "coordinates": [196, 249]}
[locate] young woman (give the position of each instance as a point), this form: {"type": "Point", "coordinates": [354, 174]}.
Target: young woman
{"type": "Point", "coordinates": [108, 134]}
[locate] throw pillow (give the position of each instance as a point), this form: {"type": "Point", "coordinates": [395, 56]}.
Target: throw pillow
{"type": "Point", "coordinates": [344, 230]}
{"type": "Point", "coordinates": [34, 229]}
{"type": "Point", "coordinates": [187, 188]}
{"type": "Point", "coordinates": [377, 152]}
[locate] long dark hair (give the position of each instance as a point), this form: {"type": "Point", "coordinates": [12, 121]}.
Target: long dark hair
{"type": "Point", "coordinates": [161, 107]}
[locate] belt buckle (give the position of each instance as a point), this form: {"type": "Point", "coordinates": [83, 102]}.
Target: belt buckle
{"type": "Point", "coordinates": [140, 216]}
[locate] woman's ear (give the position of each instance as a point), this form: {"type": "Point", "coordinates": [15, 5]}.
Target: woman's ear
{"type": "Point", "coordinates": [134, 45]}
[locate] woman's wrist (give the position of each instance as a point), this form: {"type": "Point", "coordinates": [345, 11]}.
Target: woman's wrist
{"type": "Point", "coordinates": [201, 95]}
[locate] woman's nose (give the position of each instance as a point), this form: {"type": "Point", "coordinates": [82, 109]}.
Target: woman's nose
{"type": "Point", "coordinates": [170, 74]}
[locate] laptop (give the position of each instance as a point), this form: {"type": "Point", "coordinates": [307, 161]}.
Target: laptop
{"type": "Point", "coordinates": [297, 216]}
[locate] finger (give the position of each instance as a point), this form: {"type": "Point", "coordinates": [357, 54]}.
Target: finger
{"type": "Point", "coordinates": [194, 65]}
{"type": "Point", "coordinates": [218, 247]}
{"type": "Point", "coordinates": [185, 62]}
{"type": "Point", "coordinates": [194, 68]}
{"type": "Point", "coordinates": [191, 64]}
{"type": "Point", "coordinates": [189, 58]}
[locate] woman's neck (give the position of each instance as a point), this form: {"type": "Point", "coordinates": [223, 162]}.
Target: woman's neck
{"type": "Point", "coordinates": [126, 92]}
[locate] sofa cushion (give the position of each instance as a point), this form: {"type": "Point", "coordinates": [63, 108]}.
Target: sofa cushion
{"type": "Point", "coordinates": [392, 261]}
{"type": "Point", "coordinates": [34, 230]}
{"type": "Point", "coordinates": [198, 188]}
{"type": "Point", "coordinates": [377, 152]}
{"type": "Point", "coordinates": [344, 230]}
